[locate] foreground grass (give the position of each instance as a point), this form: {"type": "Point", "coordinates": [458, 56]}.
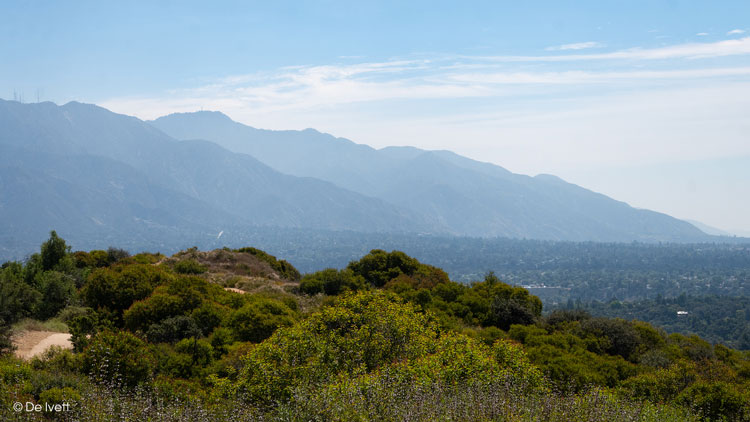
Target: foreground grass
{"type": "Point", "coordinates": [382, 402]}
{"type": "Point", "coordinates": [479, 402]}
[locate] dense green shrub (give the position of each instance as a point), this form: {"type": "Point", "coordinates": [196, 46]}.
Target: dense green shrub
{"type": "Point", "coordinates": [357, 335]}
{"type": "Point", "coordinates": [259, 318]}
{"type": "Point", "coordinates": [118, 357]}
{"type": "Point", "coordinates": [210, 315]}
{"type": "Point", "coordinates": [662, 385]}
{"type": "Point", "coordinates": [200, 351]}
{"type": "Point", "coordinates": [220, 340]}
{"type": "Point", "coordinates": [58, 291]}
{"type": "Point", "coordinates": [717, 401]}
{"type": "Point", "coordinates": [99, 258]}
{"type": "Point", "coordinates": [311, 285]}
{"type": "Point", "coordinates": [331, 282]}
{"type": "Point", "coordinates": [115, 289]}
{"type": "Point", "coordinates": [566, 359]}
{"type": "Point", "coordinates": [172, 330]}
{"type": "Point", "coordinates": [57, 360]}
{"type": "Point", "coordinates": [116, 254]}
{"type": "Point", "coordinates": [379, 267]}
{"type": "Point", "coordinates": [190, 266]}
{"type": "Point", "coordinates": [619, 336]}
{"type": "Point", "coordinates": [184, 295]}
{"type": "Point", "coordinates": [92, 259]}
{"type": "Point", "coordinates": [691, 347]}
{"type": "Point", "coordinates": [83, 325]}
{"type": "Point", "coordinates": [561, 316]}
{"type": "Point", "coordinates": [158, 307]}
{"type": "Point", "coordinates": [18, 299]}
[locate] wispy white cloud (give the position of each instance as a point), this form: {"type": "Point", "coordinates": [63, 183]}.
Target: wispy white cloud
{"type": "Point", "coordinates": [576, 46]}
{"type": "Point", "coordinates": [702, 34]}
{"type": "Point", "coordinates": [740, 46]}
{"type": "Point", "coordinates": [295, 89]}
{"type": "Point", "coordinates": [440, 77]}
{"type": "Point", "coordinates": [582, 77]}
{"type": "Point", "coordinates": [529, 113]}
{"type": "Point", "coordinates": [444, 98]}
{"type": "Point", "coordinates": [736, 32]}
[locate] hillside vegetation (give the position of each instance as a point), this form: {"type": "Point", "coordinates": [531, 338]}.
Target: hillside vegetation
{"type": "Point", "coordinates": [567, 270]}
{"type": "Point", "coordinates": [718, 319]}
{"type": "Point", "coordinates": [240, 335]}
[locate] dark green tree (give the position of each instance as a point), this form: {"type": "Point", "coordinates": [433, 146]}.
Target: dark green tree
{"type": "Point", "coordinates": [17, 298]}
{"type": "Point", "coordinates": [58, 291]}
{"type": "Point", "coordinates": [172, 330]}
{"type": "Point", "coordinates": [379, 267]}
{"type": "Point", "coordinates": [53, 250]}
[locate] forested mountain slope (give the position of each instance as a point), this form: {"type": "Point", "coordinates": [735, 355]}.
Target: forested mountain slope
{"type": "Point", "coordinates": [99, 176]}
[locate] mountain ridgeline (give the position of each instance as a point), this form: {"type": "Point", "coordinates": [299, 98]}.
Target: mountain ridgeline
{"type": "Point", "coordinates": [102, 178]}
{"type": "Point", "coordinates": [466, 197]}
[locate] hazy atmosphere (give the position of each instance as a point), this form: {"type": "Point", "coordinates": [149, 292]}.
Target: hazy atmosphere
{"type": "Point", "coordinates": [645, 102]}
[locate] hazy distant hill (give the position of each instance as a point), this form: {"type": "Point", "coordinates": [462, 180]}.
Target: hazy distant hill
{"type": "Point", "coordinates": [465, 196]}
{"type": "Point", "coordinates": [96, 176]}
{"type": "Point", "coordinates": [705, 228]}
{"type": "Point", "coordinates": [94, 200]}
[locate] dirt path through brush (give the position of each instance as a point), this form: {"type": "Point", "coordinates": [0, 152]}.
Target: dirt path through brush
{"type": "Point", "coordinates": [31, 343]}
{"type": "Point", "coordinates": [232, 289]}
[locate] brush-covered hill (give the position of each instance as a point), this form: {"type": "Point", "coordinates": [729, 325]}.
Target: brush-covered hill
{"type": "Point", "coordinates": [385, 338]}
{"type": "Point", "coordinates": [467, 197]}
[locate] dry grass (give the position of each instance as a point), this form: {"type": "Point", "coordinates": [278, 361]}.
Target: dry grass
{"type": "Point", "coordinates": [53, 324]}
{"type": "Point", "coordinates": [236, 270]}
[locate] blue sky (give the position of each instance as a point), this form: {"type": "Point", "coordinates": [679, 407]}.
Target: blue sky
{"type": "Point", "coordinates": [646, 101]}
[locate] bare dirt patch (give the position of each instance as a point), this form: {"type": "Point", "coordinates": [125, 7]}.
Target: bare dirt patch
{"type": "Point", "coordinates": [232, 289]}
{"type": "Point", "coordinates": [32, 343]}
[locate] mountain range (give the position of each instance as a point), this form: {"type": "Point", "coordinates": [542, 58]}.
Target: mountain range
{"type": "Point", "coordinates": [101, 178]}
{"type": "Point", "coordinates": [464, 196]}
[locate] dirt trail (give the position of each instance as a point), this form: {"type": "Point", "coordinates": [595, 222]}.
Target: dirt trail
{"type": "Point", "coordinates": [31, 343]}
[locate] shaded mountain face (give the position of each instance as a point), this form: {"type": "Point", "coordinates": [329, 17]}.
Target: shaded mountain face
{"type": "Point", "coordinates": [101, 178]}
{"type": "Point", "coordinates": [464, 196]}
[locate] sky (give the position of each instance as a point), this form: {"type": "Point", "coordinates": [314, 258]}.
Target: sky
{"type": "Point", "coordinates": [645, 101]}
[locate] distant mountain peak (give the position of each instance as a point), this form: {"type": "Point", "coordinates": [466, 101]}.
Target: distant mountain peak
{"type": "Point", "coordinates": [459, 194]}
{"type": "Point", "coordinates": [201, 114]}
{"type": "Point", "coordinates": [549, 178]}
